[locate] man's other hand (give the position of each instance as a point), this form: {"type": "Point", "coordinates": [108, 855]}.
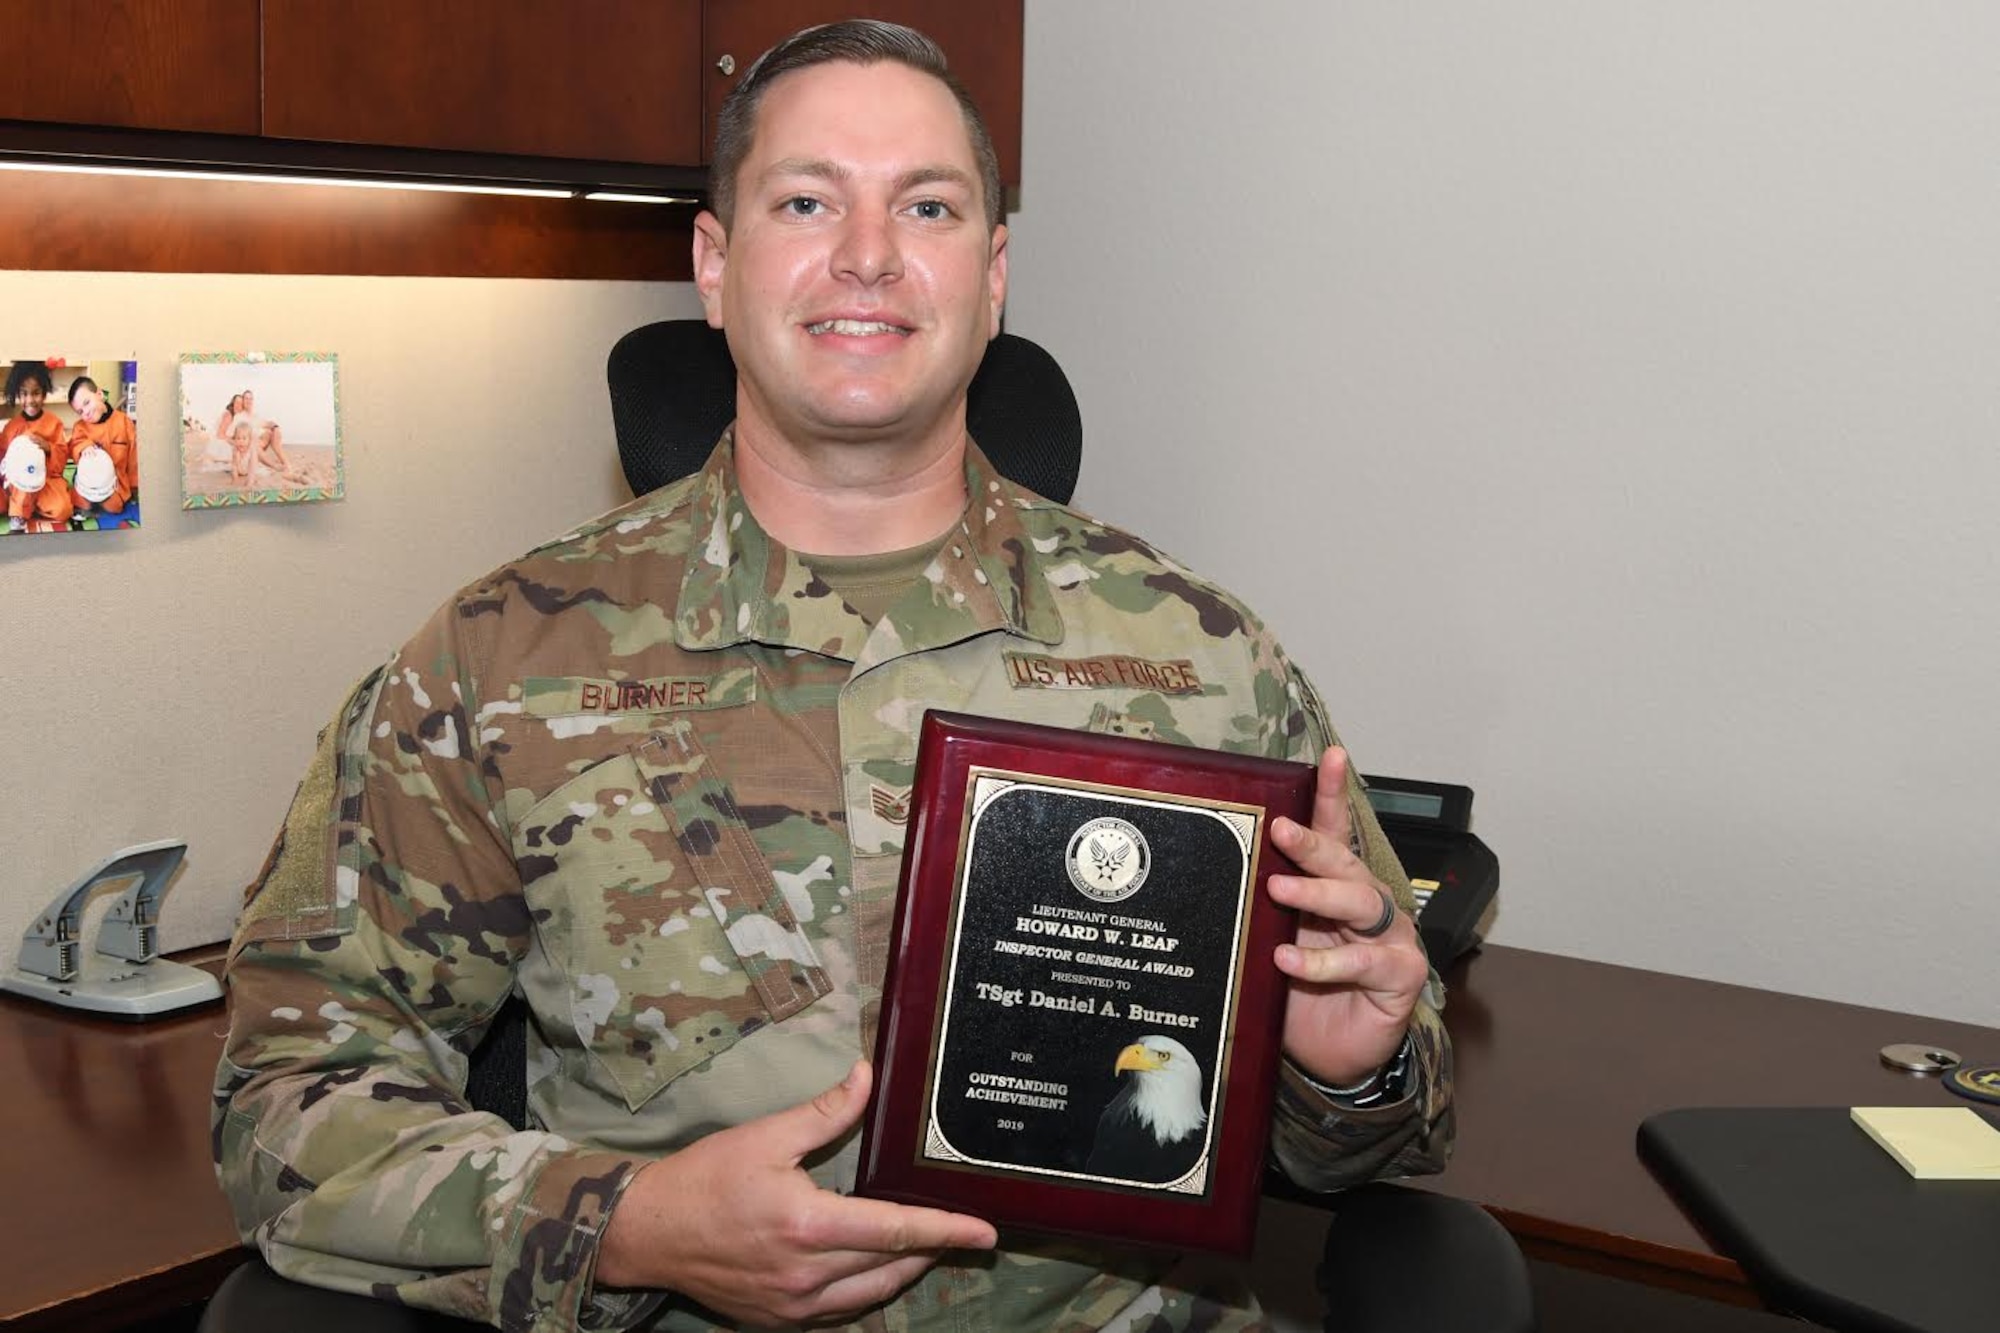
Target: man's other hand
{"type": "Point", "coordinates": [1352, 992]}
{"type": "Point", "coordinates": [734, 1222]}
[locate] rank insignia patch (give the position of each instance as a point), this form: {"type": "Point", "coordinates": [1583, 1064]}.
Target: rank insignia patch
{"type": "Point", "coordinates": [889, 805]}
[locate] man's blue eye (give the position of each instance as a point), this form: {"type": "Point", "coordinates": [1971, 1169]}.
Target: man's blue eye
{"type": "Point", "coordinates": [932, 210]}
{"type": "Point", "coordinates": [802, 206]}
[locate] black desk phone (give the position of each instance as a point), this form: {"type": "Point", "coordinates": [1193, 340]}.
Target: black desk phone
{"type": "Point", "coordinates": [1455, 875]}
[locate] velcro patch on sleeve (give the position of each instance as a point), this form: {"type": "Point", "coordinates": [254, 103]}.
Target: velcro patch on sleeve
{"type": "Point", "coordinates": [296, 895]}
{"type": "Point", "coordinates": [575, 696]}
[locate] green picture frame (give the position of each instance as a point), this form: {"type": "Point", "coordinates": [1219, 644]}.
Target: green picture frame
{"type": "Point", "coordinates": [260, 428]}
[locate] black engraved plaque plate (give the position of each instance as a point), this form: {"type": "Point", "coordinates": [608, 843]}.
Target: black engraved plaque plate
{"type": "Point", "coordinates": [1099, 949]}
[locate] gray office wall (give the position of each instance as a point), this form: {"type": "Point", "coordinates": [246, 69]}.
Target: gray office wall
{"type": "Point", "coordinates": [1602, 402]}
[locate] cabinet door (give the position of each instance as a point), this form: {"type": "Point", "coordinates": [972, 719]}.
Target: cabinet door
{"type": "Point", "coordinates": [609, 80]}
{"type": "Point", "coordinates": [183, 65]}
{"type": "Point", "coordinates": [982, 41]}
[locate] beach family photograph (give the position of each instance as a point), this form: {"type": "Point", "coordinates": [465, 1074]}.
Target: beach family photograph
{"type": "Point", "coordinates": [260, 428]}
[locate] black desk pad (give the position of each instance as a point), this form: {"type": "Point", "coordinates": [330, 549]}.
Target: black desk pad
{"type": "Point", "coordinates": [1828, 1225]}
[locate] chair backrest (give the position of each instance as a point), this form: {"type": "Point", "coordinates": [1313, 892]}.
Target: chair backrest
{"type": "Point", "coordinates": [673, 389]}
{"type": "Point", "coordinates": [498, 1078]}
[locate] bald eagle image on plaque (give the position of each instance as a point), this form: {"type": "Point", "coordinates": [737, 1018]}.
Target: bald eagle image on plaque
{"type": "Point", "coordinates": [1152, 1131]}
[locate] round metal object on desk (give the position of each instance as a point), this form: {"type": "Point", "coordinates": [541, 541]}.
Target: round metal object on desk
{"type": "Point", "coordinates": [1916, 1058]}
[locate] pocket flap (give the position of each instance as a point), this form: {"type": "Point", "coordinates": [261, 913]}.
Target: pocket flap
{"type": "Point", "coordinates": [650, 894]}
{"type": "Point", "coordinates": [732, 874]}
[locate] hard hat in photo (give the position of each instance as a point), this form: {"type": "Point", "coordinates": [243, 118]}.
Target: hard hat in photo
{"type": "Point", "coordinates": [96, 475]}
{"type": "Point", "coordinates": [25, 467]}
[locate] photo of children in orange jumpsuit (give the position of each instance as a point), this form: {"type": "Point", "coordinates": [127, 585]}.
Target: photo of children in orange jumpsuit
{"type": "Point", "coordinates": [103, 427]}
{"type": "Point", "coordinates": [69, 447]}
{"type": "Point", "coordinates": [45, 507]}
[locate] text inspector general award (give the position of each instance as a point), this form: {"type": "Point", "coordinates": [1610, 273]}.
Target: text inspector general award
{"type": "Point", "coordinates": [1080, 1016]}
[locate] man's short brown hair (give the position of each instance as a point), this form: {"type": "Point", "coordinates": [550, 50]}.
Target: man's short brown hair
{"type": "Point", "coordinates": [860, 42]}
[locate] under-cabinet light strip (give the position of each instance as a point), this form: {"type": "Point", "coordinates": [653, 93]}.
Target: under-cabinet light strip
{"type": "Point", "coordinates": [620, 197]}
{"type": "Point", "coordinates": [264, 178]}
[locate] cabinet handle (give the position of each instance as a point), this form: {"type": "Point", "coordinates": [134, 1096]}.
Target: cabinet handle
{"type": "Point", "coordinates": [727, 64]}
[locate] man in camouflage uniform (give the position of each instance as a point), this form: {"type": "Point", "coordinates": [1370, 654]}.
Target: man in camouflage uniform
{"type": "Point", "coordinates": [655, 776]}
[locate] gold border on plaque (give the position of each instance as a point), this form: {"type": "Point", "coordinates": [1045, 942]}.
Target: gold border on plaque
{"type": "Point", "coordinates": [985, 784]}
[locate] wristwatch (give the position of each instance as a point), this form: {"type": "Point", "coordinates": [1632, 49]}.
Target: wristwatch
{"type": "Point", "coordinates": [1387, 1084]}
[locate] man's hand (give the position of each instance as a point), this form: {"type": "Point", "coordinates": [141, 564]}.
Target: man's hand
{"type": "Point", "coordinates": [733, 1222]}
{"type": "Point", "coordinates": [1351, 995]}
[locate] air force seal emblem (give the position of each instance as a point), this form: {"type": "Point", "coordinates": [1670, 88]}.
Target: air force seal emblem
{"type": "Point", "coordinates": [1108, 860]}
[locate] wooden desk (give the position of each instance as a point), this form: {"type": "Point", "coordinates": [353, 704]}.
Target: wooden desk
{"type": "Point", "coordinates": [1559, 1060]}
{"type": "Point", "coordinates": [112, 1212]}
{"type": "Point", "coordinates": [111, 1209]}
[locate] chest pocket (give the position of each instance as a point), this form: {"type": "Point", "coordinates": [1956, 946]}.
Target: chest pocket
{"type": "Point", "coordinates": [652, 897]}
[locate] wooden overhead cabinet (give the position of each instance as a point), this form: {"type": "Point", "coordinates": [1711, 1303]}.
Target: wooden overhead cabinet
{"type": "Point", "coordinates": [599, 80]}
{"type": "Point", "coordinates": [189, 66]}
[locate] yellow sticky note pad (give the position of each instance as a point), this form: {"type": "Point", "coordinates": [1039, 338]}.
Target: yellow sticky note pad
{"type": "Point", "coordinates": [1935, 1142]}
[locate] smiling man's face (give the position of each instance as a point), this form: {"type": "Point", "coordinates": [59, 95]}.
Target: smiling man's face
{"type": "Point", "coordinates": [858, 282]}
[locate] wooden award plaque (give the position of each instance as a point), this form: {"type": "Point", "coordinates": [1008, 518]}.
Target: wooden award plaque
{"type": "Point", "coordinates": [1080, 1017]}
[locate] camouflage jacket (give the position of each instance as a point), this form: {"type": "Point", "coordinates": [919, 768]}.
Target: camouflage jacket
{"type": "Point", "coordinates": [651, 776]}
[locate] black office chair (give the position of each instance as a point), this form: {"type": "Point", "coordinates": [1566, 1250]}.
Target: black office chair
{"type": "Point", "coordinates": [1019, 407]}
{"type": "Point", "coordinates": [1396, 1260]}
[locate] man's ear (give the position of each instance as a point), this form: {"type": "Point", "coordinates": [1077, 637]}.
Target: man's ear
{"type": "Point", "coordinates": [996, 279]}
{"type": "Point", "coordinates": [711, 255]}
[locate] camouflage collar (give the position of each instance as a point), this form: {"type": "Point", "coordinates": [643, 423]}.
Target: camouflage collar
{"type": "Point", "coordinates": [743, 586]}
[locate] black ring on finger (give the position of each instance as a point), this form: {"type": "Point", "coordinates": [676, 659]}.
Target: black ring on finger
{"type": "Point", "coordinates": [1381, 924]}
